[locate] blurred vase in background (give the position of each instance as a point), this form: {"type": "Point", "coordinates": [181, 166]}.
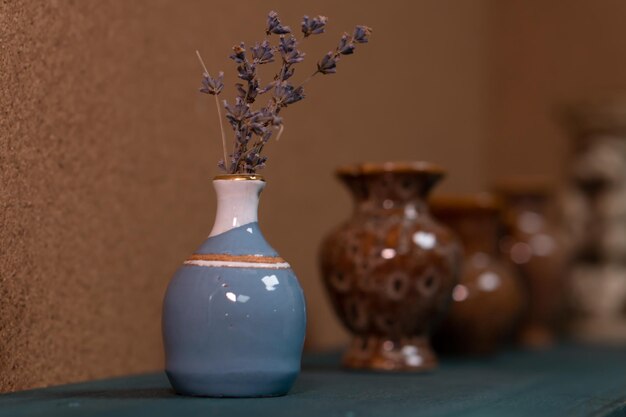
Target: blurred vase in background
{"type": "Point", "coordinates": [390, 268]}
{"type": "Point", "coordinates": [488, 300]}
{"type": "Point", "coordinates": [595, 213]}
{"type": "Point", "coordinates": [533, 243]}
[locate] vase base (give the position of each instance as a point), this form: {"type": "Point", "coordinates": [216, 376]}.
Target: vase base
{"type": "Point", "coordinates": [537, 337]}
{"type": "Point", "coordinates": [234, 385]}
{"type": "Point", "coordinates": [387, 355]}
{"type": "Point", "coordinates": [600, 330]}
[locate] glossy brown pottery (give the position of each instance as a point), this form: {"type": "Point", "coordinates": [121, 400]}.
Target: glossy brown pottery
{"type": "Point", "coordinates": [488, 300]}
{"type": "Point", "coordinates": [536, 249]}
{"type": "Point", "coordinates": [390, 268]}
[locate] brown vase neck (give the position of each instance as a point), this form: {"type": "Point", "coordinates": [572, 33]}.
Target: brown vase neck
{"type": "Point", "coordinates": [390, 190]}
{"type": "Point", "coordinates": [536, 203]}
{"type": "Point", "coordinates": [477, 230]}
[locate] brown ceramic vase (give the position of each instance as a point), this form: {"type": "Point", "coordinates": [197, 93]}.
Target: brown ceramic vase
{"type": "Point", "coordinates": [390, 268]}
{"type": "Point", "coordinates": [594, 211]}
{"type": "Point", "coordinates": [488, 300]}
{"type": "Point", "coordinates": [533, 245]}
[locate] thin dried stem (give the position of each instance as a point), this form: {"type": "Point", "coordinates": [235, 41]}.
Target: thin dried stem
{"type": "Point", "coordinates": [309, 78]}
{"type": "Point", "coordinates": [280, 132]}
{"type": "Point", "coordinates": [201, 62]}
{"type": "Point", "coordinates": [219, 115]}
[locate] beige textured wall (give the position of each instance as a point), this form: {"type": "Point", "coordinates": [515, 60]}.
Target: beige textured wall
{"type": "Point", "coordinates": [547, 53]}
{"type": "Point", "coordinates": [107, 150]}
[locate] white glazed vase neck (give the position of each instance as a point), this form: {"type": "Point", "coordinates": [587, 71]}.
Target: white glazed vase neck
{"type": "Point", "coordinates": [237, 204]}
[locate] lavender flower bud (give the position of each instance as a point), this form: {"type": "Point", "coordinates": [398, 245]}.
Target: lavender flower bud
{"type": "Point", "coordinates": [246, 71]}
{"type": "Point", "coordinates": [294, 95]}
{"type": "Point", "coordinates": [286, 94]}
{"type": "Point", "coordinates": [290, 55]}
{"type": "Point", "coordinates": [262, 116]}
{"type": "Point", "coordinates": [361, 34]}
{"type": "Point", "coordinates": [293, 57]}
{"type": "Point", "coordinates": [287, 44]}
{"type": "Point", "coordinates": [274, 26]}
{"type": "Point", "coordinates": [313, 26]}
{"type": "Point", "coordinates": [240, 53]}
{"type": "Point", "coordinates": [257, 129]}
{"type": "Point", "coordinates": [212, 85]}
{"type": "Point", "coordinates": [328, 64]}
{"type": "Point", "coordinates": [242, 135]}
{"type": "Point", "coordinates": [262, 54]}
{"type": "Point", "coordinates": [252, 157]}
{"type": "Point", "coordinates": [250, 93]}
{"type": "Point", "coordinates": [346, 47]}
{"type": "Point", "coordinates": [267, 88]}
{"type": "Point", "coordinates": [254, 161]}
{"type": "Point", "coordinates": [235, 114]}
{"type": "Point", "coordinates": [241, 92]}
{"type": "Point", "coordinates": [287, 74]}
{"type": "Point", "coordinates": [235, 157]}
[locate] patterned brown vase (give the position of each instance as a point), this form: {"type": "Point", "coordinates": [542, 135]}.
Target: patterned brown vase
{"type": "Point", "coordinates": [390, 268]}
{"type": "Point", "coordinates": [488, 300]}
{"type": "Point", "coordinates": [534, 246]}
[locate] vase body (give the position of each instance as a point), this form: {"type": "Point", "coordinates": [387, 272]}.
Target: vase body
{"type": "Point", "coordinates": [389, 270]}
{"type": "Point", "coordinates": [534, 246]}
{"type": "Point", "coordinates": [234, 314]}
{"type": "Point", "coordinates": [488, 300]}
{"type": "Point", "coordinates": [595, 214]}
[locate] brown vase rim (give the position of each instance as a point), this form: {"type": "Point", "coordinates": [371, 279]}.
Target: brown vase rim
{"type": "Point", "coordinates": [239, 177]}
{"type": "Point", "coordinates": [589, 116]}
{"type": "Point", "coordinates": [518, 186]}
{"type": "Point", "coordinates": [372, 168]}
{"type": "Point", "coordinates": [479, 202]}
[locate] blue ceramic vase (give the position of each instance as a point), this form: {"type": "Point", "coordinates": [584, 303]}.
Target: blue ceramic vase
{"type": "Point", "coordinates": [234, 313]}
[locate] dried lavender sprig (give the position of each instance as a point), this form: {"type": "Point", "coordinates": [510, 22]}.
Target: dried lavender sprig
{"type": "Point", "coordinates": [262, 53]}
{"type": "Point", "coordinates": [314, 26]}
{"type": "Point", "coordinates": [246, 70]}
{"type": "Point", "coordinates": [240, 117]}
{"type": "Point", "coordinates": [274, 26]}
{"type": "Point", "coordinates": [346, 46]}
{"type": "Point", "coordinates": [362, 33]}
{"type": "Point", "coordinates": [216, 90]}
{"type": "Point", "coordinates": [328, 64]}
{"type": "Point", "coordinates": [253, 129]}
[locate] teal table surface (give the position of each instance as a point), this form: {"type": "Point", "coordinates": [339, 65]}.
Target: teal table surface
{"type": "Point", "coordinates": [566, 381]}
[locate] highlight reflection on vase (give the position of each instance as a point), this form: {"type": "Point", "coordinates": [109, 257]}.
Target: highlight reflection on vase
{"type": "Point", "coordinates": [390, 268]}
{"type": "Point", "coordinates": [488, 299]}
{"type": "Point", "coordinates": [534, 246]}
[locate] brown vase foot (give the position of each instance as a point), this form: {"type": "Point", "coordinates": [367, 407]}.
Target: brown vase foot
{"type": "Point", "coordinates": [382, 354]}
{"type": "Point", "coordinates": [601, 329]}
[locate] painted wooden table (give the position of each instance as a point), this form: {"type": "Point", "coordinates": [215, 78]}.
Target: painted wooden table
{"type": "Point", "coordinates": [566, 381]}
